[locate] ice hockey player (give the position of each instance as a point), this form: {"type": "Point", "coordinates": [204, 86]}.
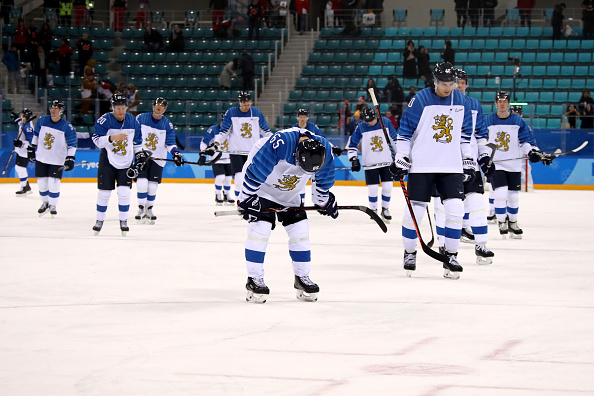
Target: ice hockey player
{"type": "Point", "coordinates": [21, 143]}
{"type": "Point", "coordinates": [118, 136]}
{"type": "Point", "coordinates": [376, 154]}
{"type": "Point", "coordinates": [242, 127]}
{"type": "Point", "coordinates": [474, 225]}
{"type": "Point", "coordinates": [222, 169]}
{"type": "Point", "coordinates": [158, 138]}
{"type": "Point", "coordinates": [304, 124]}
{"type": "Point", "coordinates": [53, 148]}
{"type": "Point", "coordinates": [276, 173]}
{"type": "Point", "coordinates": [441, 121]}
{"type": "Point", "coordinates": [514, 139]}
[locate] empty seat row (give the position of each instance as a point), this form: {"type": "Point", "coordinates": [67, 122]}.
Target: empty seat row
{"type": "Point", "coordinates": [187, 70]}
{"type": "Point", "coordinates": [98, 44]}
{"type": "Point", "coordinates": [216, 45]}
{"type": "Point", "coordinates": [190, 106]}
{"type": "Point", "coordinates": [198, 33]}
{"type": "Point", "coordinates": [197, 95]}
{"type": "Point", "coordinates": [411, 32]}
{"type": "Point", "coordinates": [188, 57]}
{"type": "Point", "coordinates": [320, 108]}
{"type": "Point", "coordinates": [154, 82]}
{"type": "Point", "coordinates": [69, 31]}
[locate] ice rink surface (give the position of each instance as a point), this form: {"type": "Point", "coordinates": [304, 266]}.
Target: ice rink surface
{"type": "Point", "coordinates": [163, 312]}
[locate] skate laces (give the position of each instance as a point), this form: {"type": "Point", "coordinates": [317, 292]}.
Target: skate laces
{"type": "Point", "coordinates": [409, 258]}
{"type": "Point", "coordinates": [259, 282]}
{"type": "Point", "coordinates": [482, 248]}
{"type": "Point", "coordinates": [306, 280]}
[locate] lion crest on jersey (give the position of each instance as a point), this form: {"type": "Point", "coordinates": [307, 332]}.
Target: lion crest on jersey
{"type": "Point", "coordinates": [287, 183]}
{"type": "Point", "coordinates": [502, 141]}
{"type": "Point", "coordinates": [225, 145]}
{"type": "Point", "coordinates": [151, 141]}
{"type": "Point", "coordinates": [246, 130]}
{"type": "Point", "coordinates": [376, 144]}
{"type": "Point", "coordinates": [444, 124]}
{"type": "Point", "coordinates": [120, 146]}
{"type": "Point", "coordinates": [48, 140]}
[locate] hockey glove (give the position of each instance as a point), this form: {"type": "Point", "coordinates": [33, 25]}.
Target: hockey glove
{"type": "Point", "coordinates": [141, 158]}
{"type": "Point", "coordinates": [400, 167]}
{"type": "Point", "coordinates": [17, 143]}
{"type": "Point", "coordinates": [468, 165]}
{"type": "Point", "coordinates": [337, 151]}
{"type": "Point", "coordinates": [355, 164]}
{"type": "Point", "coordinates": [535, 155]}
{"type": "Point", "coordinates": [331, 208]}
{"type": "Point", "coordinates": [178, 158]}
{"type": "Point", "coordinates": [211, 149]}
{"type": "Point", "coordinates": [202, 159]}
{"type": "Point", "coordinates": [486, 165]}
{"type": "Point", "coordinates": [69, 163]}
{"type": "Point", "coordinates": [253, 207]}
{"type": "Point", "coordinates": [15, 117]}
{"type": "Point", "coordinates": [31, 153]}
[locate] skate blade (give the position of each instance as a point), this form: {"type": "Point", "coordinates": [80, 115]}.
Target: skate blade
{"type": "Point", "coordinates": [44, 213]}
{"type": "Point", "coordinates": [451, 275]}
{"type": "Point", "coordinates": [54, 216]}
{"type": "Point", "coordinates": [408, 273]}
{"type": "Point", "coordinates": [304, 296]}
{"type": "Point", "coordinates": [503, 236]}
{"type": "Point", "coordinates": [484, 260]}
{"type": "Point", "coordinates": [386, 220]}
{"type": "Point", "coordinates": [150, 222]}
{"type": "Point", "coordinates": [229, 203]}
{"type": "Point", "coordinates": [219, 203]}
{"type": "Point", "coordinates": [514, 236]}
{"type": "Point", "coordinates": [466, 240]}
{"type": "Point", "coordinates": [492, 221]}
{"type": "Point", "coordinates": [256, 298]}
{"type": "Point", "coordinates": [96, 233]}
{"type": "Point", "coordinates": [139, 221]}
{"type": "Point", "coordinates": [124, 233]}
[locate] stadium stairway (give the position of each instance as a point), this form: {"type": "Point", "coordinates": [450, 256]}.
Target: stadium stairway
{"type": "Point", "coordinates": [282, 79]}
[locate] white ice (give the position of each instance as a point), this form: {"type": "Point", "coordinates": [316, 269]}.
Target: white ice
{"type": "Point", "coordinates": [163, 312]}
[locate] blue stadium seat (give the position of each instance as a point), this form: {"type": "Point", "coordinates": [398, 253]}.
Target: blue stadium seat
{"type": "Point", "coordinates": [531, 97]}
{"type": "Point", "coordinates": [535, 83]}
{"type": "Point", "coordinates": [478, 44]}
{"type": "Point", "coordinates": [546, 97]}
{"type": "Point", "coordinates": [543, 57]}
{"type": "Point", "coordinates": [375, 70]}
{"type": "Point", "coordinates": [542, 110]}
{"type": "Point", "coordinates": [554, 123]}
{"type": "Point", "coordinates": [546, 44]}
{"type": "Point", "coordinates": [528, 57]}
{"type": "Point", "coordinates": [505, 44]}
{"type": "Point", "coordinates": [564, 84]}
{"type": "Point", "coordinates": [560, 97]}
{"type": "Point", "coordinates": [585, 57]}
{"type": "Point", "coordinates": [570, 57]}
{"type": "Point", "coordinates": [470, 32]}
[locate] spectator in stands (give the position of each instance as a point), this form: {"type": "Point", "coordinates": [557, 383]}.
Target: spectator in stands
{"type": "Point", "coordinates": [80, 13]}
{"type": "Point", "coordinates": [409, 69]}
{"type": "Point", "coordinates": [346, 112]}
{"type": "Point", "coordinates": [423, 63]}
{"type": "Point", "coordinates": [248, 71]}
{"type": "Point", "coordinates": [557, 20]}
{"type": "Point", "coordinates": [396, 109]}
{"type": "Point", "coordinates": [587, 117]}
{"type": "Point", "coordinates": [229, 71]}
{"type": "Point", "coordinates": [45, 37]}
{"type": "Point", "coordinates": [119, 10]}
{"type": "Point", "coordinates": [50, 5]}
{"type": "Point", "coordinates": [449, 54]}
{"type": "Point", "coordinates": [39, 64]}
{"type": "Point", "coordinates": [474, 10]}
{"type": "Point", "coordinates": [371, 84]}
{"type": "Point", "coordinates": [65, 12]}
{"type": "Point", "coordinates": [337, 7]}
{"type": "Point", "coordinates": [90, 68]}
{"type": "Point", "coordinates": [20, 39]}
{"type": "Point", "coordinates": [411, 93]}
{"type": "Point", "coordinates": [5, 10]}
{"type": "Point", "coordinates": [572, 115]}
{"type": "Point", "coordinates": [88, 93]}
{"type": "Point", "coordinates": [361, 104]}
{"type": "Point", "coordinates": [11, 60]}
{"type": "Point", "coordinates": [104, 94]}
{"type": "Point", "coordinates": [133, 100]}
{"type": "Point", "coordinates": [302, 12]}
{"type": "Point", "coordinates": [255, 14]}
{"type": "Point", "coordinates": [32, 38]}
{"type": "Point", "coordinates": [142, 14]}
{"type": "Point", "coordinates": [218, 11]}
{"type": "Point", "coordinates": [176, 39]}
{"type": "Point", "coordinates": [585, 99]}
{"type": "Point", "coordinates": [153, 41]}
{"type": "Point", "coordinates": [393, 91]}
{"type": "Point", "coordinates": [525, 7]}
{"type": "Point", "coordinates": [461, 12]}
{"type": "Point", "coordinates": [85, 52]}
{"type": "Point", "coordinates": [489, 12]}
{"type": "Point", "coordinates": [392, 119]}
{"type": "Point", "coordinates": [226, 28]}
{"type": "Point", "coordinates": [352, 125]}
{"type": "Point", "coordinates": [64, 54]}
{"type": "Point", "coordinates": [588, 18]}
{"type": "Point", "coordinates": [121, 89]}
{"type": "Point", "coordinates": [378, 7]}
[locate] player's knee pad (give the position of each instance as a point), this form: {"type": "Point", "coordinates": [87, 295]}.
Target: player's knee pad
{"type": "Point", "coordinates": [228, 180]}
{"type": "Point", "coordinates": [42, 183]}
{"type": "Point", "coordinates": [152, 187]}
{"type": "Point", "coordinates": [124, 195]}
{"type": "Point", "coordinates": [258, 233]}
{"type": "Point", "coordinates": [298, 236]}
{"type": "Point", "coordinates": [372, 190]}
{"type": "Point", "coordinates": [474, 205]}
{"type": "Point", "coordinates": [103, 197]}
{"type": "Point", "coordinates": [21, 171]}
{"type": "Point", "coordinates": [419, 211]}
{"type": "Point", "coordinates": [454, 210]}
{"type": "Point", "coordinates": [53, 184]}
{"type": "Point", "coordinates": [219, 180]}
{"type": "Point", "coordinates": [142, 185]}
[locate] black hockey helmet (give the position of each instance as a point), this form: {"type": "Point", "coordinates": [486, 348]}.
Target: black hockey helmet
{"type": "Point", "coordinates": [27, 114]}
{"type": "Point", "coordinates": [444, 72]}
{"type": "Point", "coordinates": [310, 155]}
{"type": "Point", "coordinates": [461, 75]}
{"type": "Point", "coordinates": [160, 101]}
{"type": "Point", "coordinates": [58, 103]}
{"type": "Point", "coordinates": [368, 114]}
{"type": "Point", "coordinates": [516, 109]}
{"type": "Point", "coordinates": [301, 112]}
{"type": "Point", "coordinates": [118, 99]}
{"type": "Point", "coordinates": [244, 96]}
{"type": "Point", "coordinates": [501, 95]}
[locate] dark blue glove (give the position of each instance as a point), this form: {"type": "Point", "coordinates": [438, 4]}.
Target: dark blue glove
{"type": "Point", "coordinates": [31, 153]}
{"type": "Point", "coordinates": [253, 207]}
{"type": "Point", "coordinates": [331, 208]}
{"type": "Point", "coordinates": [178, 158]}
{"type": "Point", "coordinates": [141, 158]}
{"type": "Point", "coordinates": [355, 164]}
{"type": "Point", "coordinates": [486, 165]}
{"type": "Point", "coordinates": [400, 167]}
{"type": "Point", "coordinates": [210, 150]}
{"type": "Point", "coordinates": [468, 165]}
{"type": "Point", "coordinates": [69, 163]}
{"type": "Point", "coordinates": [202, 159]}
{"type": "Point", "coordinates": [535, 155]}
{"type": "Point", "coordinates": [337, 151]}
{"type": "Point", "coordinates": [17, 143]}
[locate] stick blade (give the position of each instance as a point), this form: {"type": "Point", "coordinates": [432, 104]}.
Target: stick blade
{"type": "Point", "coordinates": [376, 218]}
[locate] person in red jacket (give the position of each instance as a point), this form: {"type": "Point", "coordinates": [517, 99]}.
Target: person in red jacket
{"type": "Point", "coordinates": [525, 7]}
{"type": "Point", "coordinates": [20, 38]}
{"type": "Point", "coordinates": [302, 11]}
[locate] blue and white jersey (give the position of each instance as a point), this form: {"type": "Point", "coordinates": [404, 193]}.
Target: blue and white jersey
{"type": "Point", "coordinates": [480, 134]}
{"type": "Point", "coordinates": [209, 138]}
{"type": "Point", "coordinates": [120, 153]}
{"type": "Point", "coordinates": [310, 126]}
{"type": "Point", "coordinates": [271, 171]}
{"type": "Point", "coordinates": [54, 140]}
{"type": "Point", "coordinates": [375, 151]}
{"type": "Point", "coordinates": [158, 136]}
{"type": "Point", "coordinates": [26, 137]}
{"type": "Point", "coordinates": [434, 132]}
{"type": "Point", "coordinates": [514, 139]}
{"type": "Point", "coordinates": [242, 130]}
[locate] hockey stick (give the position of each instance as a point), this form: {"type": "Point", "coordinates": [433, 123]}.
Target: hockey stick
{"type": "Point", "coordinates": [556, 154]}
{"type": "Point", "coordinates": [79, 164]}
{"type": "Point", "coordinates": [212, 161]}
{"type": "Point", "coordinates": [18, 137]}
{"type": "Point", "coordinates": [364, 209]}
{"type": "Point", "coordinates": [426, 248]}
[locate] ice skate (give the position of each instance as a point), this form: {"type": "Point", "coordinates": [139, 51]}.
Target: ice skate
{"type": "Point", "coordinates": [97, 227]}
{"type": "Point", "coordinates": [515, 232]}
{"type": "Point", "coordinates": [483, 254]}
{"type": "Point", "coordinates": [53, 211]}
{"type": "Point", "coordinates": [149, 216]}
{"type": "Point", "coordinates": [140, 215]}
{"type": "Point", "coordinates": [386, 215]}
{"type": "Point", "coordinates": [452, 268]}
{"type": "Point", "coordinates": [23, 192]}
{"type": "Point", "coordinates": [467, 236]}
{"type": "Point", "coordinates": [43, 209]}
{"type": "Point", "coordinates": [306, 289]}
{"type": "Point", "coordinates": [442, 250]}
{"type": "Point", "coordinates": [503, 229]}
{"type": "Point", "coordinates": [227, 200]}
{"type": "Point", "coordinates": [219, 201]}
{"type": "Point", "coordinates": [492, 219]}
{"type": "Point", "coordinates": [410, 262]}
{"type": "Point", "coordinates": [124, 227]}
{"type": "Point", "coordinates": [257, 290]}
